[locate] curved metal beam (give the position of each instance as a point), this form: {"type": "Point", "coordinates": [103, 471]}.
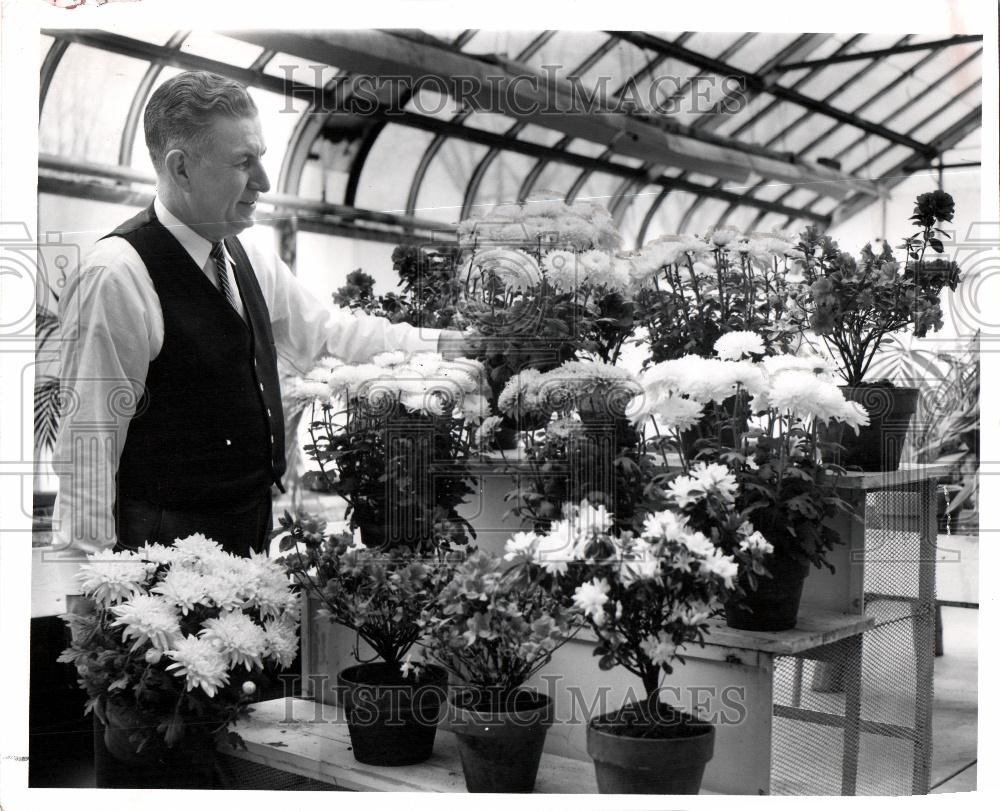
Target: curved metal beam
{"type": "Point", "coordinates": [640, 239]}
{"type": "Point", "coordinates": [52, 59]}
{"type": "Point", "coordinates": [434, 147]}
{"type": "Point", "coordinates": [139, 100]}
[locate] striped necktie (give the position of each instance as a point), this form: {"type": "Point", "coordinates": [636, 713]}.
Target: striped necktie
{"type": "Point", "coordinates": [223, 276]}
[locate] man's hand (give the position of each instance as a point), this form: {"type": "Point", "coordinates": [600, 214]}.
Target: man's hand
{"type": "Point", "coordinates": [453, 344]}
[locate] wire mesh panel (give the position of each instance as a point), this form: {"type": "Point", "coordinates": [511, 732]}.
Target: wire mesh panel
{"type": "Point", "coordinates": [855, 717]}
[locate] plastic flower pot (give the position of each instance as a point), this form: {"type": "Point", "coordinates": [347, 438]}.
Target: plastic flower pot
{"type": "Point", "coordinates": [661, 752]}
{"type": "Point", "coordinates": [500, 738]}
{"type": "Point", "coordinates": [774, 605]}
{"type": "Point", "coordinates": [392, 721]}
{"type": "Point", "coordinates": [878, 446]}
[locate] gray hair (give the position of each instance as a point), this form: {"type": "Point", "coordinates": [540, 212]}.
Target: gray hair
{"type": "Point", "coordinates": [182, 109]}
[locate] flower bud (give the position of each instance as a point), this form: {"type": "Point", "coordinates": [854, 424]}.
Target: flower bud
{"type": "Point", "coordinates": [249, 688]}
{"type": "Point", "coordinates": [153, 656]}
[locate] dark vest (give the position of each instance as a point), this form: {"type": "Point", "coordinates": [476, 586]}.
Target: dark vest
{"type": "Point", "coordinates": [208, 432]}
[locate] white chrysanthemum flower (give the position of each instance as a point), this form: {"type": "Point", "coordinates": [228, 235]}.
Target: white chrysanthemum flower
{"type": "Point", "coordinates": [853, 414]}
{"type": "Point", "coordinates": [520, 544]}
{"type": "Point", "coordinates": [556, 548]}
{"type": "Point", "coordinates": [184, 588]}
{"type": "Point", "coordinates": [739, 345]}
{"type": "Point", "coordinates": [691, 614]}
{"type": "Point", "coordinates": [807, 396]}
{"type": "Point", "coordinates": [704, 380]}
{"type": "Point", "coordinates": [520, 394]}
{"type": "Point", "coordinates": [387, 359]}
{"type": "Point", "coordinates": [716, 478]}
{"type": "Point", "coordinates": [644, 566]}
{"type": "Point", "coordinates": [562, 270]}
{"type": "Point", "coordinates": [484, 433]}
{"type": "Point", "coordinates": [591, 597]}
{"type": "Point", "coordinates": [815, 364]}
{"type": "Point", "coordinates": [307, 388]}
{"type": "Point", "coordinates": [589, 519]}
{"type": "Point", "coordinates": [157, 553]}
{"type": "Point", "coordinates": [671, 411]}
{"type": "Point", "coordinates": [147, 618]}
{"type": "Point", "coordinates": [756, 544]}
{"type": "Point", "coordinates": [238, 637]}
{"type": "Point", "coordinates": [514, 270]}
{"type": "Point", "coordinates": [721, 237]}
{"type": "Point", "coordinates": [201, 663]}
{"type": "Point", "coordinates": [196, 549]}
{"type": "Point", "coordinates": [474, 408]}
{"type": "Point", "coordinates": [660, 648]}
{"type": "Point", "coordinates": [111, 577]}
{"type": "Point", "coordinates": [351, 380]}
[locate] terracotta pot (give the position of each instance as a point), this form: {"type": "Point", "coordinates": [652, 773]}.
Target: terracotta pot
{"type": "Point", "coordinates": [670, 763]}
{"type": "Point", "coordinates": [392, 722]}
{"type": "Point", "coordinates": [878, 446]}
{"type": "Point", "coordinates": [500, 739]}
{"type": "Point", "coordinates": [774, 606]}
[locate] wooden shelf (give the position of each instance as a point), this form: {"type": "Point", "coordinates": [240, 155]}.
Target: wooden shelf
{"type": "Point", "coordinates": [814, 629]}
{"type": "Point", "coordinates": [311, 739]}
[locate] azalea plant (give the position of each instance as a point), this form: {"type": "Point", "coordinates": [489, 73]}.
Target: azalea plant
{"type": "Point", "coordinates": [689, 291]}
{"type": "Point", "coordinates": [493, 626]}
{"type": "Point", "coordinates": [379, 595]}
{"type": "Point", "coordinates": [645, 595]}
{"type": "Point", "coordinates": [855, 305]}
{"type": "Point", "coordinates": [179, 637]}
{"type": "Point", "coordinates": [765, 452]}
{"type": "Point", "coordinates": [394, 438]}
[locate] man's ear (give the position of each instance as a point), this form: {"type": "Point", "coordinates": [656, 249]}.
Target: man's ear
{"type": "Point", "coordinates": [178, 168]}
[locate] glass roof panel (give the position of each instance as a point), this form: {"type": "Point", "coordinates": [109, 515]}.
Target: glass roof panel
{"type": "Point", "coordinates": [557, 178]}
{"type": "Point", "coordinates": [503, 43]}
{"type": "Point", "coordinates": [668, 215]}
{"type": "Point", "coordinates": [762, 49]}
{"type": "Point", "coordinates": [491, 122]}
{"type": "Point", "coordinates": [398, 147]}
{"type": "Point", "coordinates": [45, 42]}
{"type": "Point", "coordinates": [79, 123]}
{"type": "Point", "coordinates": [600, 188]}
{"type": "Point", "coordinates": [706, 216]}
{"type": "Point", "coordinates": [591, 149]}
{"type": "Point", "coordinates": [539, 135]}
{"type": "Point", "coordinates": [429, 102]}
{"type": "Point", "coordinates": [640, 199]}
{"type": "Point", "coordinates": [611, 70]}
{"type": "Point", "coordinates": [441, 194]}
{"type": "Point", "coordinates": [158, 36]}
{"type": "Point", "coordinates": [221, 48]}
{"type": "Point", "coordinates": [278, 123]}
{"type": "Point", "coordinates": [565, 51]}
{"type": "Point", "coordinates": [712, 43]}
{"type": "Point", "coordinates": [502, 180]}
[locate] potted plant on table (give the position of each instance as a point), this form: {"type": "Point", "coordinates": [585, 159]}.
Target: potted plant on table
{"type": "Point", "coordinates": [645, 595]}
{"type": "Point", "coordinates": [392, 708]}
{"type": "Point", "coordinates": [543, 286]}
{"type": "Point", "coordinates": [492, 627]}
{"type": "Point", "coordinates": [854, 306]}
{"type": "Point", "coordinates": [769, 468]}
{"type": "Point", "coordinates": [394, 438]}
{"type": "Point", "coordinates": [172, 653]}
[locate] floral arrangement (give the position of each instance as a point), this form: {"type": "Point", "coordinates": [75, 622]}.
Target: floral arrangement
{"type": "Point", "coordinates": [179, 638]}
{"type": "Point", "coordinates": [492, 626]}
{"type": "Point", "coordinates": [379, 595]}
{"type": "Point", "coordinates": [646, 595]}
{"type": "Point", "coordinates": [394, 438]}
{"type": "Point", "coordinates": [855, 305]}
{"type": "Point", "coordinates": [762, 457]}
{"type": "Point", "coordinates": [690, 291]}
{"type": "Point", "coordinates": [544, 286]}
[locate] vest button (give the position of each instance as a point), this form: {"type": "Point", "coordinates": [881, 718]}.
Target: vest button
{"type": "Point", "coordinates": [269, 412]}
{"type": "Point", "coordinates": [262, 387]}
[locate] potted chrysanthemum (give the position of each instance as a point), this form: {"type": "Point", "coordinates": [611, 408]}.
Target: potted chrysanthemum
{"type": "Point", "coordinates": [394, 438]}
{"type": "Point", "coordinates": [392, 708]}
{"type": "Point", "coordinates": [764, 460]}
{"type": "Point", "coordinates": [543, 286]}
{"type": "Point", "coordinates": [493, 626]}
{"type": "Point", "coordinates": [645, 596]}
{"type": "Point", "coordinates": [173, 650]}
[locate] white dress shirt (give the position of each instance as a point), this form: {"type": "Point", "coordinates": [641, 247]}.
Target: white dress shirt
{"type": "Point", "coordinates": [112, 328]}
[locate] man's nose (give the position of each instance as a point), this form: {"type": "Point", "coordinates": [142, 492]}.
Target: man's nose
{"type": "Point", "coordinates": [259, 179]}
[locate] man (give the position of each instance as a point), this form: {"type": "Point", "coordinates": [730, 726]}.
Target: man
{"type": "Point", "coordinates": [174, 424]}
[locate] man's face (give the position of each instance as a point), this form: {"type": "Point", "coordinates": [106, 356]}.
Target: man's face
{"type": "Point", "coordinates": [227, 177]}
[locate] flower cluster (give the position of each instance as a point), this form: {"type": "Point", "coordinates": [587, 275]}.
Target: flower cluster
{"type": "Point", "coordinates": [493, 626]}
{"type": "Point", "coordinates": [689, 291]}
{"type": "Point", "coordinates": [394, 437]}
{"type": "Point", "coordinates": [583, 225]}
{"type": "Point", "coordinates": [854, 305]}
{"type": "Point", "coordinates": [645, 595]}
{"type": "Point", "coordinates": [581, 385]}
{"type": "Point", "coordinates": [746, 435]}
{"type": "Point", "coordinates": [178, 632]}
{"type": "Point", "coordinates": [380, 595]}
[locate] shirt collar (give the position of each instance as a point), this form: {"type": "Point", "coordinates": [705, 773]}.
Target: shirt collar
{"type": "Point", "coordinates": [197, 246]}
